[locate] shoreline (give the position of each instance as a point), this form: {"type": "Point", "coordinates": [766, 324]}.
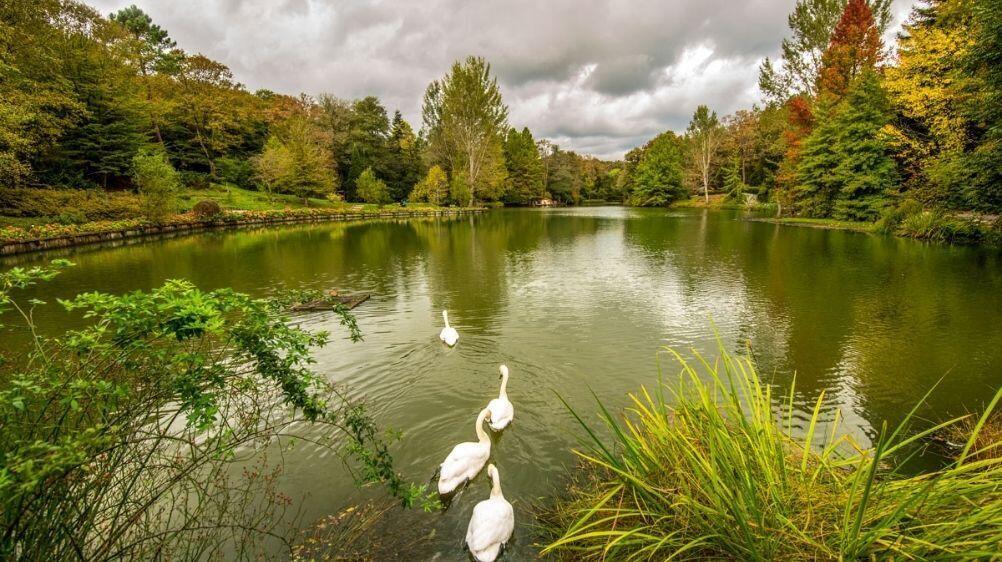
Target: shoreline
{"type": "Point", "coordinates": [115, 231]}
{"type": "Point", "coordinates": [825, 224]}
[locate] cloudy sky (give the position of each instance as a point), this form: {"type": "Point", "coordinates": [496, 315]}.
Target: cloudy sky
{"type": "Point", "coordinates": [596, 76]}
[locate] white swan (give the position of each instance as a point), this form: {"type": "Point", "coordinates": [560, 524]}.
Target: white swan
{"type": "Point", "coordinates": [449, 335]}
{"type": "Point", "coordinates": [466, 459]}
{"type": "Point", "coordinates": [502, 411]}
{"type": "Point", "coordinates": [492, 523]}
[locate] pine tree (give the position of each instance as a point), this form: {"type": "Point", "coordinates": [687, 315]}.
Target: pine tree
{"type": "Point", "coordinates": [525, 168]}
{"type": "Point", "coordinates": [815, 189]}
{"type": "Point", "coordinates": [403, 166]}
{"type": "Point", "coordinates": [867, 174]}
{"type": "Point", "coordinates": [98, 149]}
{"type": "Point", "coordinates": [734, 187]}
{"type": "Point", "coordinates": [367, 142]}
{"type": "Point", "coordinates": [846, 170]}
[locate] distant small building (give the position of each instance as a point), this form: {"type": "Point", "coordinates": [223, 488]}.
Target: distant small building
{"type": "Point", "coordinates": [545, 202]}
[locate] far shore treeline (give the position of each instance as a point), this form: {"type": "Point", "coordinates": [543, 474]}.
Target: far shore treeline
{"type": "Point", "coordinates": [849, 128]}
{"type": "Point", "coordinates": [82, 96]}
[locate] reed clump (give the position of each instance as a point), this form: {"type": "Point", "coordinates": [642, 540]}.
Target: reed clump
{"type": "Point", "coordinates": [709, 466]}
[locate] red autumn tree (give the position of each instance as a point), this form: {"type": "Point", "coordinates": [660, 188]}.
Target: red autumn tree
{"type": "Point", "coordinates": [799, 121]}
{"type": "Point", "coordinates": [855, 46]}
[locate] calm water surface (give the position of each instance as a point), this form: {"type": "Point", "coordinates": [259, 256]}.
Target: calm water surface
{"type": "Point", "coordinates": [581, 300]}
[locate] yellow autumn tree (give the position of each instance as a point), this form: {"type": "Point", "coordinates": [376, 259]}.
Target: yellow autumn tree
{"type": "Point", "coordinates": [927, 88]}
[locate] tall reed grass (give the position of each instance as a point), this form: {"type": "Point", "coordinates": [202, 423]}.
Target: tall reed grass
{"type": "Point", "coordinates": [709, 466]}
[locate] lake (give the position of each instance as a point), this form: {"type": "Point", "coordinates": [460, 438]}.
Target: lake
{"type": "Point", "coordinates": [579, 301]}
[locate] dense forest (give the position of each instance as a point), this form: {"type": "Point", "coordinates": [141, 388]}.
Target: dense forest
{"type": "Point", "coordinates": [83, 96]}
{"type": "Point", "coordinates": [849, 128]}
{"type": "Point", "coordinates": [849, 131]}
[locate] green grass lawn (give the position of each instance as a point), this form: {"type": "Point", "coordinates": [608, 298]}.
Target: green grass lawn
{"type": "Point", "coordinates": [232, 197]}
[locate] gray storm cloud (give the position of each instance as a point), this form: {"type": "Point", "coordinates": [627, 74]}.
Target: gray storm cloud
{"type": "Point", "coordinates": [599, 77]}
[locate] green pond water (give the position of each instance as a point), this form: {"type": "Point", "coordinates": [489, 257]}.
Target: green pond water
{"type": "Point", "coordinates": [577, 301]}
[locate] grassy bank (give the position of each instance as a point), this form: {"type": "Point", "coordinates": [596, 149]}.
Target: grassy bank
{"type": "Point", "coordinates": [830, 224]}
{"type": "Point", "coordinates": [708, 467]}
{"type": "Point", "coordinates": [907, 220]}
{"type": "Point", "coordinates": [102, 213]}
{"type": "Point", "coordinates": [932, 226]}
{"type": "Point", "coordinates": [717, 201]}
{"type": "Point", "coordinates": [24, 207]}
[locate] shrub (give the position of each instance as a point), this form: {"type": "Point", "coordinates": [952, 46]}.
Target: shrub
{"type": "Point", "coordinates": [206, 209]}
{"type": "Point", "coordinates": [158, 182]}
{"type": "Point", "coordinates": [123, 439]}
{"type": "Point", "coordinates": [371, 189]}
{"type": "Point", "coordinates": [892, 216]}
{"type": "Point", "coordinates": [709, 467]}
{"type": "Point", "coordinates": [434, 188]}
{"type": "Point", "coordinates": [237, 171]}
{"type": "Point", "coordinates": [70, 205]}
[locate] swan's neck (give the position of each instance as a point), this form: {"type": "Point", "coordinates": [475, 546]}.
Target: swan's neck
{"type": "Point", "coordinates": [481, 432]}
{"type": "Point", "coordinates": [504, 386]}
{"type": "Point", "coordinates": [496, 489]}
{"type": "Point", "coordinates": [445, 316]}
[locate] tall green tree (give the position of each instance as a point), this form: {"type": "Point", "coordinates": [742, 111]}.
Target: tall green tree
{"type": "Point", "coordinates": [525, 168]}
{"type": "Point", "coordinates": [657, 179]}
{"type": "Point", "coordinates": [465, 122]}
{"type": "Point", "coordinates": [274, 167]}
{"type": "Point", "coordinates": [403, 166]}
{"type": "Point", "coordinates": [563, 176]}
{"type": "Point", "coordinates": [37, 103]}
{"type": "Point", "coordinates": [977, 174]}
{"type": "Point", "coordinates": [368, 134]}
{"type": "Point", "coordinates": [154, 54]}
{"type": "Point", "coordinates": [210, 114]}
{"type": "Point", "coordinates": [811, 25]}
{"type": "Point", "coordinates": [98, 148]}
{"type": "Point", "coordinates": [297, 160]}
{"type": "Point", "coordinates": [846, 170]}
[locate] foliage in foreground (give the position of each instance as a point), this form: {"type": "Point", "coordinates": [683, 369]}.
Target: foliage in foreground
{"type": "Point", "coordinates": [147, 433]}
{"type": "Point", "coordinates": [713, 471]}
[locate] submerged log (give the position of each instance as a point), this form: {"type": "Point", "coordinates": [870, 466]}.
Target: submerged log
{"type": "Point", "coordinates": [332, 298]}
